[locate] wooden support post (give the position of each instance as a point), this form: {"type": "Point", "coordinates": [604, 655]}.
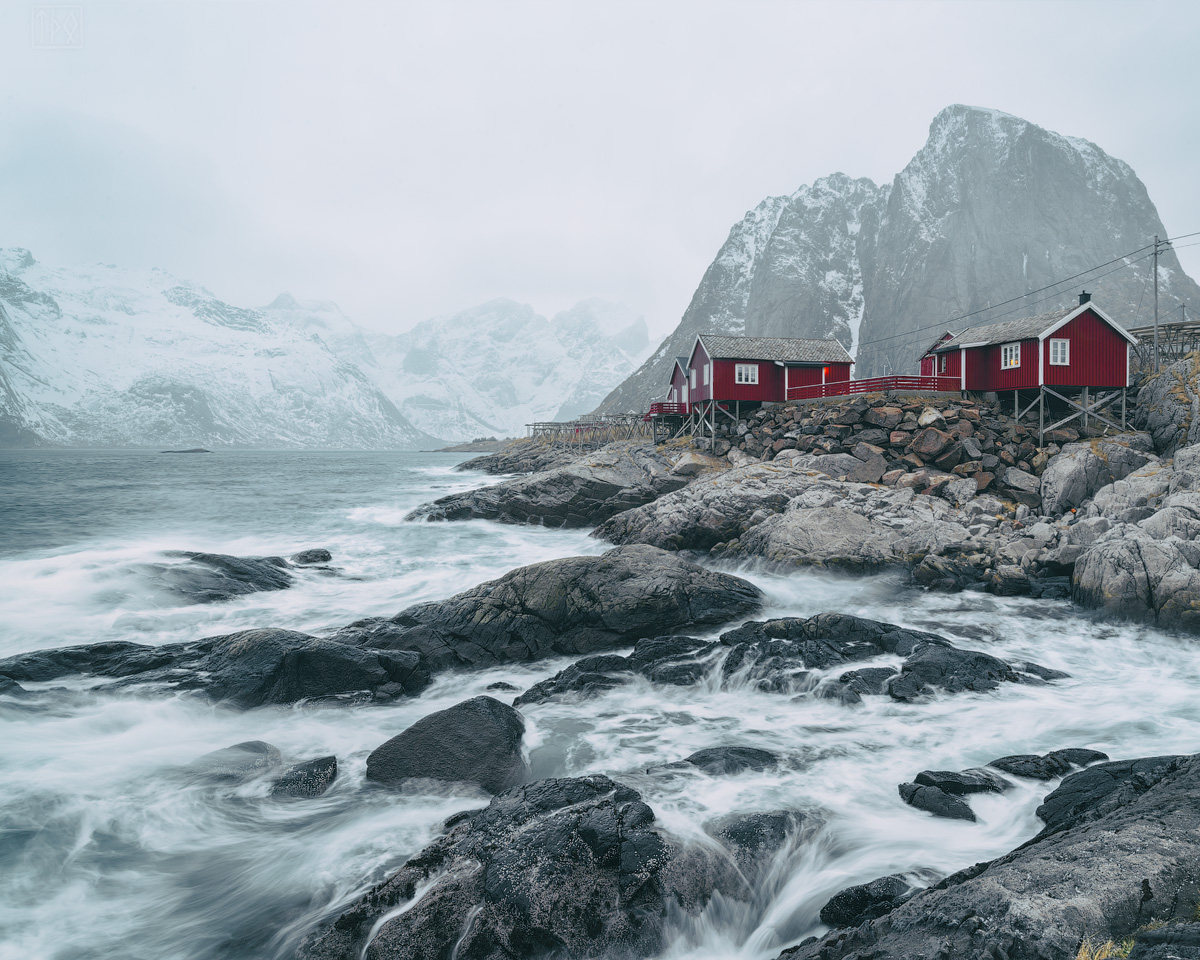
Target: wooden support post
{"type": "Point", "coordinates": [1041, 416]}
{"type": "Point", "coordinates": [1085, 410]}
{"type": "Point", "coordinates": [1017, 404]}
{"type": "Point", "coordinates": [1122, 408]}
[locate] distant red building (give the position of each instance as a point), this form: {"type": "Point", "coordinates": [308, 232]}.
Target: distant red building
{"type": "Point", "coordinates": [1081, 346]}
{"type": "Point", "coordinates": [754, 369]}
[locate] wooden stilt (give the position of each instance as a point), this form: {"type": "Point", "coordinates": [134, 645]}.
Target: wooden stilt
{"type": "Point", "coordinates": [1085, 409]}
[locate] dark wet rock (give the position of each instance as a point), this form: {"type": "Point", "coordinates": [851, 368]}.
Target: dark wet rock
{"type": "Point", "coordinates": [1172, 941]}
{"type": "Point", "coordinates": [10, 688]}
{"type": "Point", "coordinates": [1090, 794]}
{"type": "Point", "coordinates": [675, 661]}
{"type": "Point", "coordinates": [950, 670]}
{"type": "Point", "coordinates": [477, 741]}
{"type": "Point", "coordinates": [308, 779]}
{"type": "Point", "coordinates": [581, 493]}
{"type": "Point", "coordinates": [936, 801]}
{"type": "Point", "coordinates": [307, 557]}
{"type": "Point", "coordinates": [213, 577]}
{"type": "Point", "coordinates": [963, 782]}
{"type": "Point", "coordinates": [557, 868]}
{"type": "Point", "coordinates": [247, 669]}
{"type": "Point", "coordinates": [237, 764]}
{"type": "Point", "coordinates": [577, 605]}
{"type": "Point", "coordinates": [588, 677]}
{"type": "Point", "coordinates": [501, 685]}
{"type": "Point", "coordinates": [726, 761]}
{"type": "Point", "coordinates": [868, 681]}
{"type": "Point", "coordinates": [866, 901]}
{"type": "Point", "coordinates": [257, 667]}
{"type": "Point", "coordinates": [754, 838]}
{"type": "Point", "coordinates": [1119, 853]}
{"type": "Point", "coordinates": [109, 659]}
{"type": "Point", "coordinates": [1047, 766]}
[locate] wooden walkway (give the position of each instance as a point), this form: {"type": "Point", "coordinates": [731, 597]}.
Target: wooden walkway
{"type": "Point", "coordinates": [590, 432]}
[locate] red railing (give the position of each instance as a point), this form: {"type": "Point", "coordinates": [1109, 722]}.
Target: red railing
{"type": "Point", "coordinates": [842, 388]}
{"type": "Point", "coordinates": [667, 410]}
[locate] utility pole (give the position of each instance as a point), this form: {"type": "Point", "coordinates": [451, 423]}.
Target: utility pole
{"type": "Point", "coordinates": [1156, 303]}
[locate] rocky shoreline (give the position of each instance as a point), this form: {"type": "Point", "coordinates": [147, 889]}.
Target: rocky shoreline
{"type": "Point", "coordinates": [950, 492]}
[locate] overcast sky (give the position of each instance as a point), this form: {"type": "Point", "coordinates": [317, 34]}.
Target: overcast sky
{"type": "Point", "coordinates": [413, 159]}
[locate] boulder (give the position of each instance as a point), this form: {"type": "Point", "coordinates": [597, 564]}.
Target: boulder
{"type": "Point", "coordinates": [754, 838]}
{"type": "Point", "coordinates": [1047, 766]}
{"type": "Point", "coordinates": [579, 493]}
{"type": "Point", "coordinates": [240, 763]}
{"type": "Point", "coordinates": [1167, 403]}
{"type": "Point", "coordinates": [964, 782]}
{"type": "Point", "coordinates": [884, 417]}
{"type": "Point", "coordinates": [308, 779]}
{"type": "Point", "coordinates": [952, 670]}
{"type": "Point", "coordinates": [1075, 474]}
{"type": "Point", "coordinates": [214, 577]}
{"type": "Point", "coordinates": [935, 801]}
{"type": "Point", "coordinates": [307, 558]}
{"type": "Point", "coordinates": [476, 742]}
{"type": "Point", "coordinates": [1118, 856]}
{"type": "Point", "coordinates": [557, 868]}
{"type": "Point", "coordinates": [577, 605]}
{"type": "Point", "coordinates": [929, 443]}
{"type": "Point", "coordinates": [1021, 481]}
{"type": "Point", "coordinates": [866, 901]}
{"type": "Point", "coordinates": [931, 418]}
{"type": "Point", "coordinates": [524, 455]}
{"type": "Point", "coordinates": [246, 669]}
{"type": "Point", "coordinates": [869, 471]}
{"type": "Point", "coordinates": [725, 761]}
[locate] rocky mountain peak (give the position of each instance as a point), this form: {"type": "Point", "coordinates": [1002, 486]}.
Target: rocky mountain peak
{"type": "Point", "coordinates": [991, 208]}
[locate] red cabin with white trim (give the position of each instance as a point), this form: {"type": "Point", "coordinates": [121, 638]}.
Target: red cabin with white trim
{"type": "Point", "coordinates": [758, 369]}
{"type": "Point", "coordinates": [1080, 346]}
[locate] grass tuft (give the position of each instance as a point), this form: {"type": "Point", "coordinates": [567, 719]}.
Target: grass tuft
{"type": "Point", "coordinates": [1108, 950]}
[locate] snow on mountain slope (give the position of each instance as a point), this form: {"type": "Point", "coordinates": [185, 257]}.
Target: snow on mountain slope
{"type": "Point", "coordinates": [102, 356]}
{"type": "Point", "coordinates": [491, 369]}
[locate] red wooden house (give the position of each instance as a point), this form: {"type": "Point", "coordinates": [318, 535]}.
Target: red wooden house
{"type": "Point", "coordinates": [1072, 355]}
{"type": "Point", "coordinates": [934, 365]}
{"type": "Point", "coordinates": [1080, 346]}
{"type": "Point", "coordinates": [757, 369]}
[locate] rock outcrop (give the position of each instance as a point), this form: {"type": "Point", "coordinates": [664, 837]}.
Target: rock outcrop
{"type": "Point", "coordinates": [247, 669]}
{"type": "Point", "coordinates": [798, 656]}
{"type": "Point", "coordinates": [1081, 469]}
{"type": "Point", "coordinates": [557, 868]}
{"type": "Point", "coordinates": [1168, 406]}
{"type": "Point", "coordinates": [581, 493]}
{"type": "Point", "coordinates": [475, 742]}
{"type": "Point", "coordinates": [577, 605]}
{"type": "Point", "coordinates": [1118, 853]}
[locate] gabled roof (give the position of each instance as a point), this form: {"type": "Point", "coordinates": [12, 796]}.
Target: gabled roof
{"type": "Point", "coordinates": [773, 348]}
{"type": "Point", "coordinates": [948, 335]}
{"type": "Point", "coordinates": [1027, 328]}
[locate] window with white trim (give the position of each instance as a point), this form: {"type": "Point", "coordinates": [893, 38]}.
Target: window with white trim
{"type": "Point", "coordinates": [1060, 353]}
{"type": "Point", "coordinates": [1010, 356]}
{"type": "Point", "coordinates": [707, 368]}
{"type": "Point", "coordinates": [745, 373]}
{"type": "Point", "coordinates": [693, 379]}
{"type": "Point", "coordinates": [942, 363]}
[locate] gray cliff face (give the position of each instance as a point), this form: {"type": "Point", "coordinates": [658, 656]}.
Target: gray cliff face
{"type": "Point", "coordinates": [992, 207]}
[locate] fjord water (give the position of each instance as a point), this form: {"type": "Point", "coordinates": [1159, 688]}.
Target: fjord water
{"type": "Point", "coordinates": [107, 850]}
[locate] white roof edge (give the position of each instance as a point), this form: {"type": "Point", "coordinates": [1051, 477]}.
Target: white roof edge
{"type": "Point", "coordinates": [1096, 310]}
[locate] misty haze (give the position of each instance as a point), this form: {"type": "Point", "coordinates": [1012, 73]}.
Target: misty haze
{"type": "Point", "coordinates": [671, 481]}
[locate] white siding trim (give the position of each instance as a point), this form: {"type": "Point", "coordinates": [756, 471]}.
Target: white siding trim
{"type": "Point", "coordinates": [962, 367]}
{"type": "Point", "coordinates": [1041, 363]}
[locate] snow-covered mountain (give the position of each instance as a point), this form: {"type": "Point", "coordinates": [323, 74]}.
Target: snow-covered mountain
{"type": "Point", "coordinates": [490, 370]}
{"type": "Point", "coordinates": [992, 207]}
{"type": "Point", "coordinates": [101, 356]}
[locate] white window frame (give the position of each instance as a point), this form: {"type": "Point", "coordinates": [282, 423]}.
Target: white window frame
{"type": "Point", "coordinates": [1010, 356]}
{"type": "Point", "coordinates": [943, 362]}
{"type": "Point", "coordinates": [745, 373]}
{"type": "Point", "coordinates": [707, 375]}
{"type": "Point", "coordinates": [693, 384]}
{"type": "Point", "coordinates": [1064, 349]}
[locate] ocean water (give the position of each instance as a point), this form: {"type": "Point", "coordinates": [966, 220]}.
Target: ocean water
{"type": "Point", "coordinates": [107, 852]}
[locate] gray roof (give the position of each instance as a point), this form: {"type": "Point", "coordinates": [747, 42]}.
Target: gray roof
{"type": "Point", "coordinates": [775, 348]}
{"type": "Point", "coordinates": [1006, 331]}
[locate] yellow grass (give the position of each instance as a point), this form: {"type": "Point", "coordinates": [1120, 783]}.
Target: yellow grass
{"type": "Point", "coordinates": [1095, 950]}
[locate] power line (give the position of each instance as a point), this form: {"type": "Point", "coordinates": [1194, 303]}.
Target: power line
{"type": "Point", "coordinates": [1123, 261]}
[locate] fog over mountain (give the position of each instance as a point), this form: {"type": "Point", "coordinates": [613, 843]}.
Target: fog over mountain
{"type": "Point", "coordinates": [103, 356]}
{"type": "Point", "coordinates": [990, 208]}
